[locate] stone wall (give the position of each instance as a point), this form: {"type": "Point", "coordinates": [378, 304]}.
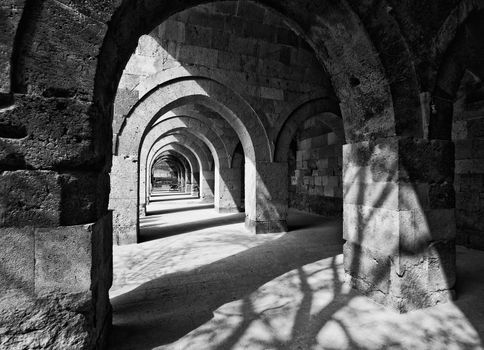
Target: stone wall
{"type": "Point", "coordinates": [468, 135]}
{"type": "Point", "coordinates": [54, 285]}
{"type": "Point", "coordinates": [316, 184]}
{"type": "Point", "coordinates": [239, 44]}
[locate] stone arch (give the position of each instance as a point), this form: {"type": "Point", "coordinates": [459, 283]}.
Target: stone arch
{"type": "Point", "coordinates": [152, 81]}
{"type": "Point", "coordinates": [184, 152]}
{"type": "Point", "coordinates": [194, 137]}
{"type": "Point", "coordinates": [226, 195]}
{"type": "Point", "coordinates": [328, 36]}
{"type": "Point", "coordinates": [216, 145]}
{"type": "Point", "coordinates": [173, 94]}
{"type": "Point", "coordinates": [326, 110]}
{"type": "Point", "coordinates": [217, 124]}
{"type": "Point", "coordinates": [200, 159]}
{"type": "Point", "coordinates": [458, 59]}
{"type": "Point", "coordinates": [193, 180]}
{"type": "Point", "coordinates": [178, 164]}
{"type": "Point", "coordinates": [170, 154]}
{"type": "Point", "coordinates": [448, 32]}
{"type": "Point", "coordinates": [342, 45]}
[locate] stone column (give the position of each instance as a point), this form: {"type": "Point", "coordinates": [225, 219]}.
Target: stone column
{"type": "Point", "coordinates": [228, 190]}
{"type": "Point", "coordinates": [399, 223]}
{"type": "Point", "coordinates": [195, 190]}
{"type": "Point", "coordinates": [207, 185]}
{"type": "Point", "coordinates": [123, 199]}
{"type": "Point", "coordinates": [55, 271]}
{"type": "Point", "coordinates": [188, 182]}
{"type": "Point", "coordinates": [269, 193]}
{"type": "Point", "coordinates": [181, 180]}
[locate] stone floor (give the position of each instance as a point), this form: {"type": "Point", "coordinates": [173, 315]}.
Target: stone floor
{"type": "Point", "coordinates": [198, 281]}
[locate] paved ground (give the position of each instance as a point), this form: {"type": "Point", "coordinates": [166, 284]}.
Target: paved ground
{"type": "Point", "coordinates": [199, 281]}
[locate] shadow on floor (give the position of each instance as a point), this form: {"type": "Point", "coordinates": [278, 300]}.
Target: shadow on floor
{"type": "Point", "coordinates": [298, 220]}
{"type": "Point", "coordinates": [153, 231]}
{"type": "Point", "coordinates": [176, 210]}
{"type": "Point", "coordinates": [157, 199]}
{"type": "Point", "coordinates": [167, 308]}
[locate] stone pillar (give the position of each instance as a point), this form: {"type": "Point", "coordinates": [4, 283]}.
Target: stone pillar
{"type": "Point", "coordinates": [188, 183]}
{"type": "Point", "coordinates": [399, 223]}
{"type": "Point", "coordinates": [207, 185]}
{"type": "Point", "coordinates": [195, 189]}
{"type": "Point", "coordinates": [181, 180]}
{"type": "Point", "coordinates": [228, 190]}
{"type": "Point", "coordinates": [123, 199]}
{"type": "Point", "coordinates": [55, 274]}
{"type": "Point", "coordinates": [266, 199]}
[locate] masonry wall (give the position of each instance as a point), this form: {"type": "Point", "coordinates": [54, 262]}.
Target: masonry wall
{"type": "Point", "coordinates": [239, 44]}
{"type": "Point", "coordinates": [316, 183]}
{"type": "Point", "coordinates": [468, 136]}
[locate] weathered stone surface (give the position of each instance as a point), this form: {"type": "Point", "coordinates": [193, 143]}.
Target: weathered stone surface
{"type": "Point", "coordinates": [57, 62]}
{"type": "Point", "coordinates": [10, 12]}
{"type": "Point", "coordinates": [48, 133]}
{"type": "Point", "coordinates": [17, 265]}
{"type": "Point", "coordinates": [57, 322]}
{"type": "Point", "coordinates": [405, 220]}
{"type": "Point", "coordinates": [30, 198]}
{"type": "Point", "coordinates": [62, 302]}
{"type": "Point", "coordinates": [46, 198]}
{"type": "Point", "coordinates": [63, 260]}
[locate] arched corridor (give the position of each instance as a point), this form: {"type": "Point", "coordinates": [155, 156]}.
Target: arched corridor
{"type": "Point", "coordinates": [297, 174]}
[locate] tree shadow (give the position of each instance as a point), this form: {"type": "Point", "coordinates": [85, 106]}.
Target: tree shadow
{"type": "Point", "coordinates": [167, 308]}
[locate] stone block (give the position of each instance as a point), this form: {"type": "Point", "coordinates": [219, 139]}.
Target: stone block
{"type": "Point", "coordinates": [271, 93]}
{"type": "Point", "coordinates": [71, 65]}
{"type": "Point", "coordinates": [459, 130]}
{"type": "Point", "coordinates": [476, 127]}
{"type": "Point", "coordinates": [425, 161]}
{"type": "Point", "coordinates": [374, 162]}
{"type": "Point", "coordinates": [373, 228]}
{"type": "Point", "coordinates": [413, 196]}
{"type": "Point", "coordinates": [198, 35]}
{"type": "Point", "coordinates": [57, 132]}
{"type": "Point", "coordinates": [17, 265]}
{"type": "Point", "coordinates": [259, 31]}
{"type": "Point", "coordinates": [417, 228]}
{"type": "Point", "coordinates": [70, 308]}
{"type": "Point", "coordinates": [242, 46]}
{"type": "Point", "coordinates": [332, 139]}
{"type": "Point", "coordinates": [30, 198]}
{"type": "Point", "coordinates": [220, 40]}
{"type": "Point", "coordinates": [198, 55]}
{"type": "Point", "coordinates": [251, 10]}
{"type": "Point", "coordinates": [81, 196]}
{"type": "Point", "coordinates": [463, 149]}
{"type": "Point", "coordinates": [63, 259]}
{"type": "Point", "coordinates": [172, 30]}
{"type": "Point", "coordinates": [369, 266]}
{"type": "Point", "coordinates": [210, 20]}
{"type": "Point", "coordinates": [441, 196]}
{"type": "Point", "coordinates": [465, 166]}
{"type": "Point", "coordinates": [318, 180]}
{"type": "Point", "coordinates": [375, 194]}
{"type": "Point", "coordinates": [229, 61]}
